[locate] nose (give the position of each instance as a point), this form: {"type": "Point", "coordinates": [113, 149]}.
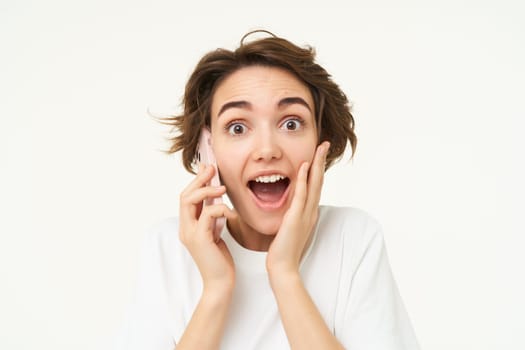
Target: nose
{"type": "Point", "coordinates": [266, 147]}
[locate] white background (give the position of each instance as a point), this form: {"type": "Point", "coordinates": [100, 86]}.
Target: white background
{"type": "Point", "coordinates": [438, 90]}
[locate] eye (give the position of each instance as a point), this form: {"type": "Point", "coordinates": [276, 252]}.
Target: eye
{"type": "Point", "coordinates": [236, 129]}
{"type": "Point", "coordinates": [292, 124]}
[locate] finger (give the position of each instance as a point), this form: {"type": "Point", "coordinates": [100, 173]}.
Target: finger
{"type": "Point", "coordinates": [210, 213]}
{"type": "Point", "coordinates": [300, 192]}
{"type": "Point", "coordinates": [191, 203]}
{"type": "Point", "coordinates": [207, 192]}
{"type": "Point", "coordinates": [316, 176]}
{"type": "Point", "coordinates": [204, 176]}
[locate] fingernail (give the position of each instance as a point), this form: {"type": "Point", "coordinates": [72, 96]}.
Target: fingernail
{"type": "Point", "coordinates": [306, 167]}
{"type": "Point", "coordinates": [323, 149]}
{"type": "Point", "coordinates": [326, 148]}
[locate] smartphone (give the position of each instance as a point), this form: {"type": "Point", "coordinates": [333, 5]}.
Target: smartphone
{"type": "Point", "coordinates": [205, 156]}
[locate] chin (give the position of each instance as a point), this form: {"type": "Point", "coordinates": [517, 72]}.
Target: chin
{"type": "Point", "coordinates": [263, 222]}
{"type": "Point", "coordinates": [266, 226]}
{"type": "Point", "coordinates": [269, 231]}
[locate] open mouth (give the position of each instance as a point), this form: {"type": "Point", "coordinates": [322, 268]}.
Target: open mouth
{"type": "Point", "coordinates": [269, 189]}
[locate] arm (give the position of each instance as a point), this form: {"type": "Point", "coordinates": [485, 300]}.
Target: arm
{"type": "Point", "coordinates": [206, 326]}
{"type": "Point", "coordinates": [304, 325]}
{"type": "Point", "coordinates": [148, 321]}
{"type": "Point", "coordinates": [214, 261]}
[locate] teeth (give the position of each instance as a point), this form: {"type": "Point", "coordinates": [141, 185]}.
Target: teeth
{"type": "Point", "coordinates": [269, 179]}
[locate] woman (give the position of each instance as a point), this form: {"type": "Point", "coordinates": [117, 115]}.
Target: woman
{"type": "Point", "coordinates": [285, 272]}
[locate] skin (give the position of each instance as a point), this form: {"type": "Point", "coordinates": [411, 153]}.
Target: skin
{"type": "Point", "coordinates": [266, 143]}
{"type": "Point", "coordinates": [254, 131]}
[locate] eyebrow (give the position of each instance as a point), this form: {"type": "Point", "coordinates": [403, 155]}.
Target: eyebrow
{"type": "Point", "coordinates": [285, 102]}
{"type": "Point", "coordinates": [235, 104]}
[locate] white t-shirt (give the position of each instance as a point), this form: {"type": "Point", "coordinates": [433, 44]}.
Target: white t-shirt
{"type": "Point", "coordinates": [345, 271]}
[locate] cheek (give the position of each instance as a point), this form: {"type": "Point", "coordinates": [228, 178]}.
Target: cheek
{"type": "Point", "coordinates": [229, 162]}
{"type": "Point", "coordinates": [302, 152]}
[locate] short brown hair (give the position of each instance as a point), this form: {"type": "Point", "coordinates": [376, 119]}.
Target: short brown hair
{"type": "Point", "coordinates": [334, 121]}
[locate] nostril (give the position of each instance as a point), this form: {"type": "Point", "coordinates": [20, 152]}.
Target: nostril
{"type": "Point", "coordinates": [267, 153]}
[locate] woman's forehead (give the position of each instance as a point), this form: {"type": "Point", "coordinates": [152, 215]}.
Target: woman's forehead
{"type": "Point", "coordinates": [260, 85]}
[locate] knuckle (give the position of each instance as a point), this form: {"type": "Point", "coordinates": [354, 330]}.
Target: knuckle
{"type": "Point", "coordinates": [206, 209]}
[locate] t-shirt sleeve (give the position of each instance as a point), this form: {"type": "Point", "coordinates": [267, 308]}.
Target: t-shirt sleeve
{"type": "Point", "coordinates": [372, 316]}
{"type": "Point", "coordinates": [146, 325]}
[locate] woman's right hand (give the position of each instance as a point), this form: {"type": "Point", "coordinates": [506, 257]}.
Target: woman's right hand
{"type": "Point", "coordinates": [212, 257]}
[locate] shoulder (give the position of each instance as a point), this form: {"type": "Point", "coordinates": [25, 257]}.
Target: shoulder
{"type": "Point", "coordinates": [345, 213]}
{"type": "Point", "coordinates": [351, 230]}
{"type": "Point", "coordinates": [348, 221]}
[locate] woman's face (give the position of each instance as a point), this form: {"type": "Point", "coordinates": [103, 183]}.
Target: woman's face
{"type": "Point", "coordinates": [263, 129]}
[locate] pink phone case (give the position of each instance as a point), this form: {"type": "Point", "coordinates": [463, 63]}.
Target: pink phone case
{"type": "Point", "coordinates": [206, 156]}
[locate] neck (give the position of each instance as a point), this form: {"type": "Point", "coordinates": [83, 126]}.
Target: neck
{"type": "Point", "coordinates": [248, 237]}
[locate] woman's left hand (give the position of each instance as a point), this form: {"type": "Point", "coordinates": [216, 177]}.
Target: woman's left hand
{"type": "Point", "coordinates": [289, 244]}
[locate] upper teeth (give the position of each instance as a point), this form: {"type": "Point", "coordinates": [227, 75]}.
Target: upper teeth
{"type": "Point", "coordinates": [270, 178]}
